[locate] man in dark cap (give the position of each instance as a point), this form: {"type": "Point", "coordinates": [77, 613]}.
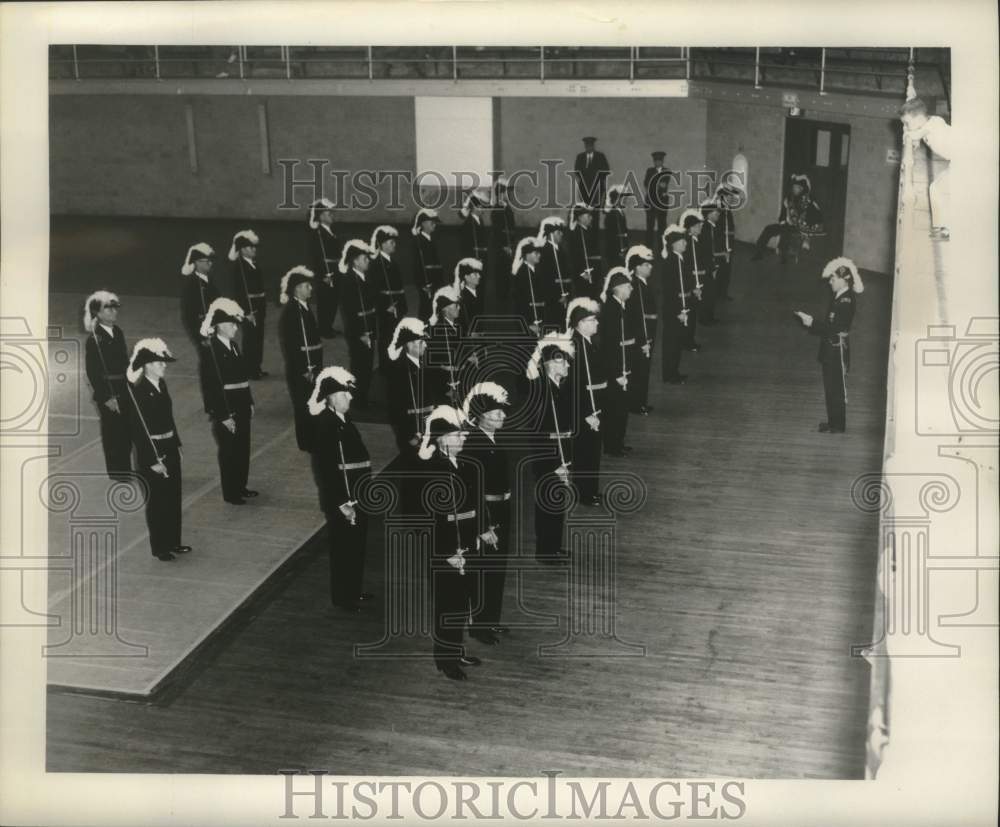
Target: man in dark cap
{"type": "Point", "coordinates": [247, 286]}
{"type": "Point", "coordinates": [656, 183]}
{"type": "Point", "coordinates": [591, 172]}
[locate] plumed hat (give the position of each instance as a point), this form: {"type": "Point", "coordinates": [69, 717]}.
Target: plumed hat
{"type": "Point", "coordinates": [550, 346]}
{"type": "Point", "coordinates": [444, 419]}
{"type": "Point", "coordinates": [196, 252]}
{"type": "Point", "coordinates": [409, 329]}
{"type": "Point", "coordinates": [144, 352]}
{"type": "Point", "coordinates": [330, 380]}
{"type": "Point", "coordinates": [244, 238]}
{"type": "Point", "coordinates": [219, 311]}
{"type": "Point", "coordinates": [96, 302]}
{"type": "Point", "coordinates": [847, 269]}
{"type": "Point", "coordinates": [292, 279]}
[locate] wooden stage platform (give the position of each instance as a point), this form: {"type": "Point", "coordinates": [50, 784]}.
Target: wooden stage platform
{"type": "Point", "coordinates": [745, 579]}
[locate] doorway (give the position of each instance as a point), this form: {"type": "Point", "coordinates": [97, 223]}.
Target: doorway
{"type": "Point", "coordinates": [821, 150]}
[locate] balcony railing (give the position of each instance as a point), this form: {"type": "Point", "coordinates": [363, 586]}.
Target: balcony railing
{"type": "Point", "coordinates": [852, 70]}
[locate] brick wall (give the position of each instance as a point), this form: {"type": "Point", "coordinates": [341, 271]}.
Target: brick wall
{"type": "Point", "coordinates": [869, 236]}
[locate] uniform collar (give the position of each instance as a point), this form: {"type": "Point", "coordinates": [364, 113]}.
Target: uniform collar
{"type": "Point", "coordinates": [413, 359]}
{"type": "Point", "coordinates": [249, 261]}
{"type": "Point", "coordinates": [202, 276]}
{"type": "Point", "coordinates": [325, 227]}
{"type": "Point", "coordinates": [110, 330]}
{"type": "Point", "coordinates": [841, 293]}
{"type": "Point", "coordinates": [226, 343]}
{"type": "Point", "coordinates": [425, 235]}
{"type": "Point", "coordinates": [359, 274]}
{"type": "Point", "coordinates": [302, 304]}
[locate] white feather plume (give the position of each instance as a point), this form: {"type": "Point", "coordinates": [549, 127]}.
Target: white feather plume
{"type": "Point", "coordinates": [491, 389]}
{"type": "Point", "coordinates": [201, 247]}
{"type": "Point", "coordinates": [249, 235]}
{"type": "Point", "coordinates": [227, 306]}
{"type": "Point", "coordinates": [411, 323]}
{"type": "Point", "coordinates": [299, 270]}
{"type": "Point", "coordinates": [607, 280]}
{"type": "Point", "coordinates": [385, 230]}
{"type": "Point", "coordinates": [104, 296]}
{"type": "Point", "coordinates": [353, 248]}
{"type": "Point", "coordinates": [154, 345]}
{"type": "Point", "coordinates": [453, 416]}
{"type": "Point", "coordinates": [590, 305]}
{"type": "Point", "coordinates": [843, 261]}
{"type": "Point", "coordinates": [335, 372]}
{"type": "Point", "coordinates": [447, 292]}
{"type": "Point", "coordinates": [560, 340]}
{"type": "Point", "coordinates": [318, 206]}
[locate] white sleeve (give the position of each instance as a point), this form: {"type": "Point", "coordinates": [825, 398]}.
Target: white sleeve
{"type": "Point", "coordinates": [937, 136]}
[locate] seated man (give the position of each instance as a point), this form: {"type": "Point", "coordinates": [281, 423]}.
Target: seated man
{"type": "Point", "coordinates": [800, 218]}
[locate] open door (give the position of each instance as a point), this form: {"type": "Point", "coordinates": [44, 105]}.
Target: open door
{"type": "Point", "coordinates": [821, 150]}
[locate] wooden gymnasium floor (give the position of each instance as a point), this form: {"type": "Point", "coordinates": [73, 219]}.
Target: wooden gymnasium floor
{"type": "Point", "coordinates": [747, 576]}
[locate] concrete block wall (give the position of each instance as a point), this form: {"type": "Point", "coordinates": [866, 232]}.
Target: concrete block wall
{"type": "Point", "coordinates": [872, 183]}
{"type": "Point", "coordinates": [128, 154]}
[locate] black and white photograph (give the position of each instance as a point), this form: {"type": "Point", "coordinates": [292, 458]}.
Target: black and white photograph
{"type": "Point", "coordinates": [490, 430]}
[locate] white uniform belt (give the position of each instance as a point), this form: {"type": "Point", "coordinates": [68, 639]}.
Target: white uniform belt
{"type": "Point", "coordinates": [719, 254]}
{"type": "Point", "coordinates": [427, 409]}
{"type": "Point", "coordinates": [432, 266]}
{"type": "Point", "coordinates": [627, 342]}
{"type": "Point", "coordinates": [537, 304]}
{"type": "Point", "coordinates": [465, 515]}
{"type": "Point", "coordinates": [167, 435]}
{"type": "Point", "coordinates": [353, 466]}
{"type": "Point", "coordinates": [597, 386]}
{"type": "Point", "coordinates": [392, 292]}
{"type": "Point", "coordinates": [235, 386]}
{"type": "Point", "coordinates": [652, 315]}
{"type": "Point", "coordinates": [561, 435]}
{"type": "Point", "coordinates": [256, 295]}
{"type": "Point", "coordinates": [311, 347]}
{"type": "Point", "coordinates": [498, 498]}
{"type": "Point", "coordinates": [366, 312]}
{"type": "Point", "coordinates": [114, 376]}
{"type": "Point", "coordinates": [699, 272]}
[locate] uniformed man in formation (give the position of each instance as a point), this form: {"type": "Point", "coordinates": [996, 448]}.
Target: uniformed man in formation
{"type": "Point", "coordinates": [428, 271]}
{"type": "Point", "coordinates": [616, 238]}
{"type": "Point", "coordinates": [529, 291]}
{"type": "Point", "coordinates": [590, 385]}
{"type": "Point", "coordinates": [342, 463]}
{"type": "Point", "coordinates": [157, 445]}
{"type": "Point", "coordinates": [713, 254]}
{"type": "Point", "coordinates": [485, 410]}
{"type": "Point", "coordinates": [656, 183]}
{"type": "Point", "coordinates": [457, 531]}
{"type": "Point", "coordinates": [409, 398]}
{"type": "Point", "coordinates": [225, 389]}
{"type": "Point", "coordinates": [198, 291]}
{"type": "Point", "coordinates": [643, 318]}
{"type": "Point", "coordinates": [554, 270]}
{"type": "Point", "coordinates": [358, 309]}
{"type": "Point", "coordinates": [106, 362]}
{"type": "Point", "coordinates": [324, 254]}
{"type": "Point", "coordinates": [677, 303]}
{"type": "Point", "coordinates": [387, 281]}
{"type": "Point", "coordinates": [552, 456]}
{"type": "Point", "coordinates": [474, 235]}
{"type": "Point", "coordinates": [468, 282]}
{"type": "Point", "coordinates": [444, 346]}
{"type": "Point", "coordinates": [249, 292]}
{"type": "Point", "coordinates": [833, 330]}
{"type": "Point", "coordinates": [302, 348]}
{"type": "Point", "coordinates": [584, 252]}
{"type": "Point", "coordinates": [503, 227]}
{"type": "Point", "coordinates": [617, 346]}
{"type": "Point", "coordinates": [696, 268]}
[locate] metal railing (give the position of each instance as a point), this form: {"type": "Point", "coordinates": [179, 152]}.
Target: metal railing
{"type": "Point", "coordinates": [874, 71]}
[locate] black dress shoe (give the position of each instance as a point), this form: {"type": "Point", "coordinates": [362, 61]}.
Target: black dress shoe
{"type": "Point", "coordinates": [349, 607]}
{"type": "Point", "coordinates": [627, 449]}
{"type": "Point", "coordinates": [485, 636]}
{"type": "Point", "coordinates": [469, 660]}
{"type": "Point", "coordinates": [824, 427]}
{"type": "Point", "coordinates": [592, 501]}
{"type": "Point", "coordinates": [453, 672]}
{"type": "Point", "coordinates": [261, 374]}
{"type": "Point", "coordinates": [164, 556]}
{"type": "Point", "coordinates": [182, 549]}
{"type": "Point", "coordinates": [366, 596]}
{"type": "Point", "coordinates": [237, 501]}
{"type": "Point", "coordinates": [647, 408]}
{"type": "Point", "coordinates": [500, 630]}
{"type": "Point", "coordinates": [693, 348]}
{"type": "Point", "coordinates": [249, 494]}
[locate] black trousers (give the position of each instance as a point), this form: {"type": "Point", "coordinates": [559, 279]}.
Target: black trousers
{"type": "Point", "coordinates": [550, 508]}
{"type": "Point", "coordinates": [587, 459]}
{"type": "Point", "coordinates": [656, 223]}
{"type": "Point", "coordinates": [706, 308]}
{"type": "Point", "coordinates": [233, 455]}
{"type": "Point", "coordinates": [253, 337]}
{"type": "Point", "coordinates": [675, 336]}
{"type": "Point", "coordinates": [449, 607]}
{"type": "Point", "coordinates": [424, 302]}
{"type": "Point", "coordinates": [614, 420]}
{"type": "Point", "coordinates": [722, 273]}
{"type": "Point", "coordinates": [361, 360]}
{"type": "Point", "coordinates": [115, 438]}
{"type": "Point", "coordinates": [299, 390]}
{"type": "Point", "coordinates": [386, 326]}
{"type": "Point", "coordinates": [163, 506]}
{"type": "Point", "coordinates": [835, 391]}
{"type": "Point", "coordinates": [326, 306]}
{"type": "Point", "coordinates": [346, 545]}
{"type": "Point", "coordinates": [490, 568]}
{"type": "Point", "coordinates": [638, 382]}
{"type": "Point", "coordinates": [692, 326]}
{"type": "Point", "coordinates": [785, 231]}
